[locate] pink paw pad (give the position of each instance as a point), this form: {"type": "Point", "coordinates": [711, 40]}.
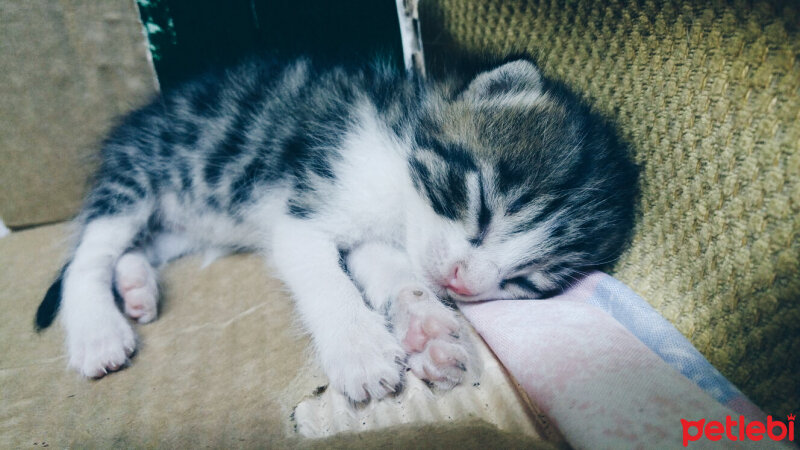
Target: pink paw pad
{"type": "Point", "coordinates": [421, 329]}
{"type": "Point", "coordinates": [432, 338]}
{"type": "Point", "coordinates": [135, 281]}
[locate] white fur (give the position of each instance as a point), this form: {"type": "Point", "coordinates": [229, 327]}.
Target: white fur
{"type": "Point", "coordinates": [374, 202]}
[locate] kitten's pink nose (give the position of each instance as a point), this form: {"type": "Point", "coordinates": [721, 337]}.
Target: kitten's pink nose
{"type": "Point", "coordinates": [456, 284]}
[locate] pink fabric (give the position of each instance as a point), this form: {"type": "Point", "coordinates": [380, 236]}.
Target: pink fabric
{"type": "Point", "coordinates": [599, 384]}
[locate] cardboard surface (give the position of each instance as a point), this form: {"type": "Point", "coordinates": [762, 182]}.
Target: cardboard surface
{"type": "Point", "coordinates": [66, 70]}
{"type": "Point", "coordinates": [225, 365]}
{"type": "Point", "coordinates": [486, 395]}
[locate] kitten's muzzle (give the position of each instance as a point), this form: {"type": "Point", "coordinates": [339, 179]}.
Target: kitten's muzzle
{"type": "Point", "coordinates": [455, 284]}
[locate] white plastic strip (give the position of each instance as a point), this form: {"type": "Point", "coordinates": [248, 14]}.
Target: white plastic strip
{"type": "Point", "coordinates": [408, 16]}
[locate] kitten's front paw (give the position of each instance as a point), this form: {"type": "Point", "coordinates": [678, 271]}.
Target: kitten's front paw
{"type": "Point", "coordinates": [439, 352]}
{"type": "Point", "coordinates": [99, 342]}
{"type": "Point", "coordinates": [367, 364]}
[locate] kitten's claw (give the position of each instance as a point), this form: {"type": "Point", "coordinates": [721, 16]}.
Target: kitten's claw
{"type": "Point", "coordinates": [440, 364]}
{"type": "Point", "coordinates": [386, 386]}
{"type": "Point", "coordinates": [367, 366]}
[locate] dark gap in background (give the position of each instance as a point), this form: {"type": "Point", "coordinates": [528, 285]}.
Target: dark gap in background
{"type": "Point", "coordinates": [190, 36]}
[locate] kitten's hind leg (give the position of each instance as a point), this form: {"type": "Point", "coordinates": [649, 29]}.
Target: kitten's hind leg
{"type": "Point", "coordinates": [136, 272]}
{"type": "Point", "coordinates": [438, 346]}
{"type": "Point", "coordinates": [99, 338]}
{"type": "Point", "coordinates": [136, 282]}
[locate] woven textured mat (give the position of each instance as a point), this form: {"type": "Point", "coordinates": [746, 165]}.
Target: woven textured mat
{"type": "Point", "coordinates": [708, 96]}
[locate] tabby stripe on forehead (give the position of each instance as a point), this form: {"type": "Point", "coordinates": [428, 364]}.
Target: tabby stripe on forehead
{"type": "Point", "coordinates": [527, 265]}
{"type": "Point", "coordinates": [457, 192]}
{"type": "Point", "coordinates": [484, 215]}
{"type": "Point", "coordinates": [443, 207]}
{"type": "Point", "coordinates": [454, 154]}
{"type": "Point", "coordinates": [550, 209]}
{"type": "Point", "coordinates": [516, 206]}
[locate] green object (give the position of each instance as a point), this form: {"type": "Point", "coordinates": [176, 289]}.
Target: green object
{"type": "Point", "coordinates": [707, 95]}
{"type": "Point", "coordinates": [188, 36]}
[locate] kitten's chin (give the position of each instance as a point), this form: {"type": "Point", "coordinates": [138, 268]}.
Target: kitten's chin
{"type": "Point", "coordinates": [485, 297]}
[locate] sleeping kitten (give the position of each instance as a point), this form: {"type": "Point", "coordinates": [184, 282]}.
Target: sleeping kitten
{"type": "Point", "coordinates": [374, 196]}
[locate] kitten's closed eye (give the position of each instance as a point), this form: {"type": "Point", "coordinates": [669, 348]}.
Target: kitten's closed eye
{"type": "Point", "coordinates": [520, 282]}
{"type": "Point", "coordinates": [484, 216]}
{"type": "Point", "coordinates": [525, 287]}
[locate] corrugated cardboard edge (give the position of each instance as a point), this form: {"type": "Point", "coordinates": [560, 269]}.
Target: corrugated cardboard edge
{"type": "Point", "coordinates": [495, 399]}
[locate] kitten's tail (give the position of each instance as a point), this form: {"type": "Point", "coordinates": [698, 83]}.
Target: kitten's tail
{"type": "Point", "coordinates": [48, 309]}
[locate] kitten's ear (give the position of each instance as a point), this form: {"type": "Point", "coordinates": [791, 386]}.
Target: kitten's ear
{"type": "Point", "coordinates": [512, 78]}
